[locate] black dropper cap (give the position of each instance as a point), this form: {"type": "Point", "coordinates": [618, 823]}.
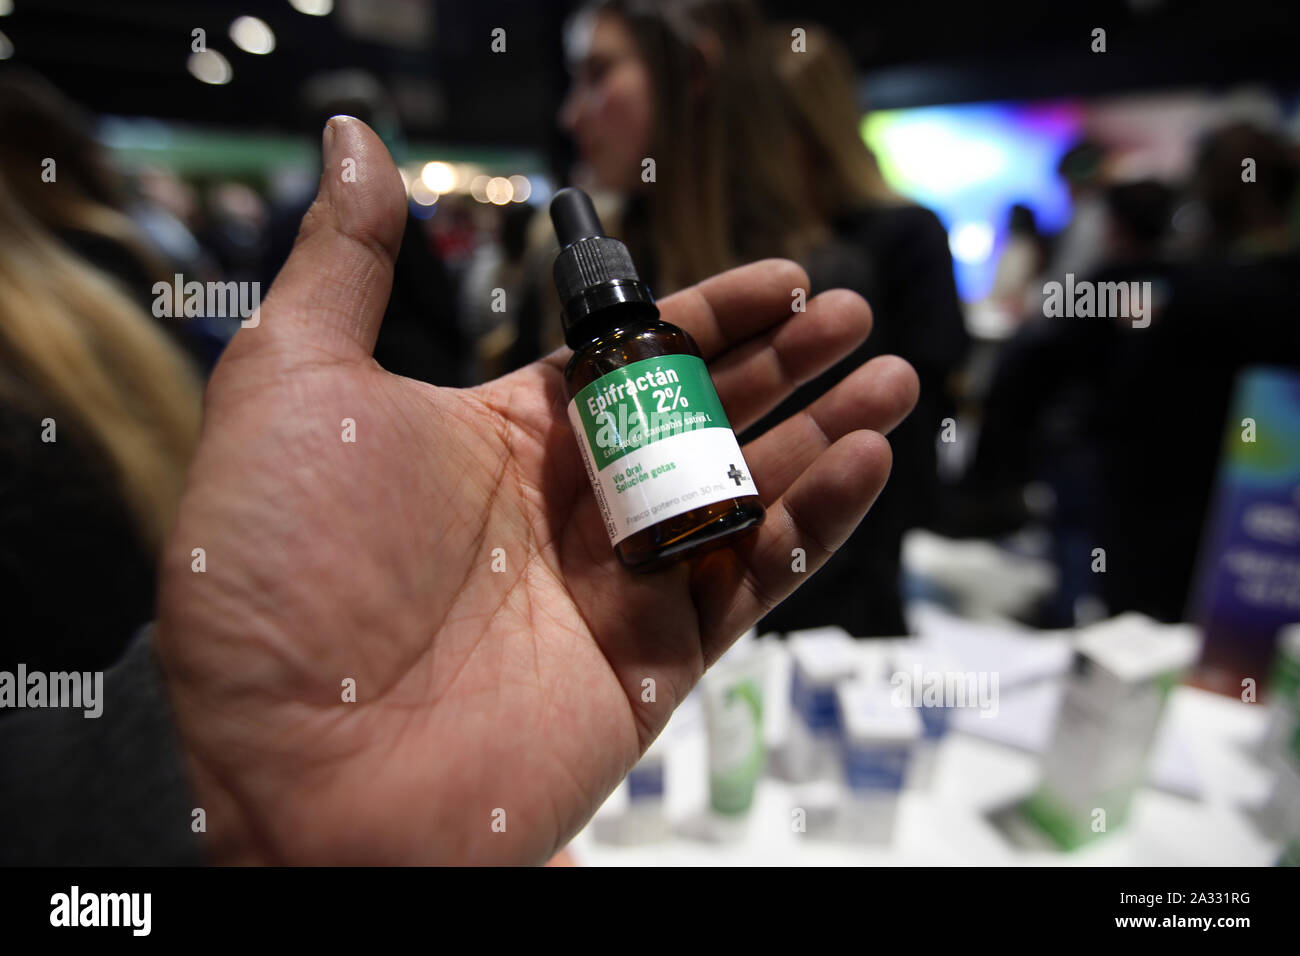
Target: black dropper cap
{"type": "Point", "coordinates": [594, 275]}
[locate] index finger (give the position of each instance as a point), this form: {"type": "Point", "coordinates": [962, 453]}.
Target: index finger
{"type": "Point", "coordinates": [734, 306]}
{"type": "Point", "coordinates": [729, 308]}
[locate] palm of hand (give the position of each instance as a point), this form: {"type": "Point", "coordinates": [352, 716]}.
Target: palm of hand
{"type": "Point", "coordinates": [448, 570]}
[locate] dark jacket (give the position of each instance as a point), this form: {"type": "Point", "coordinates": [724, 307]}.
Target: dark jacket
{"type": "Point", "coordinates": [906, 274]}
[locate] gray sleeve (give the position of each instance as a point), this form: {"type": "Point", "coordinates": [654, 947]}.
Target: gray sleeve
{"type": "Point", "coordinates": [99, 791]}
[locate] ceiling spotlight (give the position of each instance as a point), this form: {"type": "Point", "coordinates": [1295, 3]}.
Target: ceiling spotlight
{"type": "Point", "coordinates": [252, 35]}
{"type": "Point", "coordinates": [422, 194]}
{"type": "Point", "coordinates": [522, 188]}
{"type": "Point", "coordinates": [209, 66]}
{"type": "Point", "coordinates": [439, 177]}
{"type": "Point", "coordinates": [499, 191]}
{"type": "Point", "coordinates": [313, 8]}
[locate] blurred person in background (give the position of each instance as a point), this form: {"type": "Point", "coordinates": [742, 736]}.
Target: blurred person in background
{"type": "Point", "coordinates": [235, 222]}
{"type": "Point", "coordinates": [498, 262]}
{"type": "Point", "coordinates": [60, 177]}
{"type": "Point", "coordinates": [99, 417]}
{"type": "Point", "coordinates": [167, 210]}
{"type": "Point", "coordinates": [1078, 248]}
{"type": "Point", "coordinates": [693, 86]}
{"type": "Point", "coordinates": [687, 145]}
{"type": "Point", "coordinates": [1232, 306]}
{"type": "Point", "coordinates": [1046, 416]}
{"type": "Point", "coordinates": [1046, 354]}
{"type": "Point", "coordinates": [1248, 219]}
{"type": "Point", "coordinates": [688, 84]}
{"type": "Point", "coordinates": [917, 314]}
{"type": "Point", "coordinates": [1126, 422]}
{"type": "Point", "coordinates": [1021, 260]}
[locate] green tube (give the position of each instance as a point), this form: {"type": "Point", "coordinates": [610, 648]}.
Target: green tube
{"type": "Point", "coordinates": [733, 711]}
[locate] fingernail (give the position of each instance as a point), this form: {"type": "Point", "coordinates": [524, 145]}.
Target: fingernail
{"type": "Point", "coordinates": [328, 137]}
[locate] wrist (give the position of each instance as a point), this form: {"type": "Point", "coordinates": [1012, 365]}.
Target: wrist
{"type": "Point", "coordinates": [225, 839]}
{"type": "Point", "coordinates": [221, 830]}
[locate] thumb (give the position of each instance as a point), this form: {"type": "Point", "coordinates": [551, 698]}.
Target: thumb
{"type": "Point", "coordinates": [332, 292]}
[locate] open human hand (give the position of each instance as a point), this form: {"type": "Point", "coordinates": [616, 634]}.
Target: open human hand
{"type": "Point", "coordinates": [494, 709]}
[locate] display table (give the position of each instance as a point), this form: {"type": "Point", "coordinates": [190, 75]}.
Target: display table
{"type": "Point", "coordinates": [1196, 809]}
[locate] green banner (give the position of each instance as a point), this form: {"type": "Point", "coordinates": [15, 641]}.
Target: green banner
{"type": "Point", "coordinates": [645, 402]}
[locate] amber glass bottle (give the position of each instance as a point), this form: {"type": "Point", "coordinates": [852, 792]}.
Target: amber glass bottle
{"type": "Point", "coordinates": [663, 461]}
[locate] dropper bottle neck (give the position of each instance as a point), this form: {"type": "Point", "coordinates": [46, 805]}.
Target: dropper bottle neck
{"type": "Point", "coordinates": [597, 282]}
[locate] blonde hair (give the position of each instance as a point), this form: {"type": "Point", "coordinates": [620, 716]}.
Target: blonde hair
{"type": "Point", "coordinates": [79, 343]}
{"type": "Point", "coordinates": [820, 86]}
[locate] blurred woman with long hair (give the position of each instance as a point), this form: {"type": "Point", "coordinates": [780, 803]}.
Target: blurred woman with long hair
{"type": "Point", "coordinates": [99, 416]}
{"type": "Point", "coordinates": [687, 147]}
{"type": "Point", "coordinates": [756, 155]}
{"type": "Point", "coordinates": [675, 105]}
{"type": "Point", "coordinates": [918, 316]}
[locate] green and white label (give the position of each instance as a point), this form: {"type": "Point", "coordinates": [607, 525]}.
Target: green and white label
{"type": "Point", "coordinates": [656, 443]}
